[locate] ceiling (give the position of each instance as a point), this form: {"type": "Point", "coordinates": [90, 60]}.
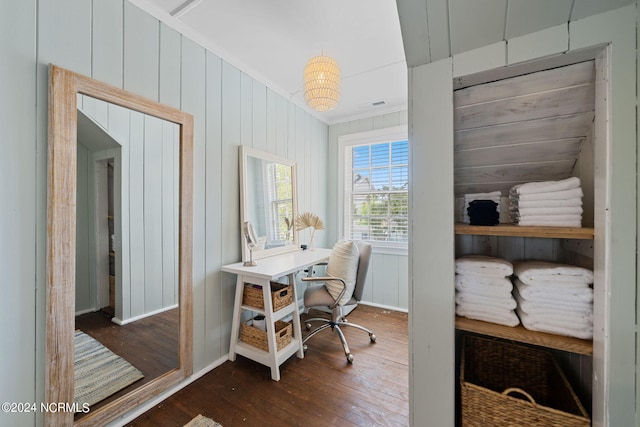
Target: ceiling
{"type": "Point", "coordinates": [272, 40]}
{"type": "Point", "coordinates": [437, 29]}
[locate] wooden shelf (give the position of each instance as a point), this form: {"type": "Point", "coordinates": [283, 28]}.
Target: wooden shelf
{"type": "Point", "coordinates": [520, 334]}
{"type": "Point", "coordinates": [518, 231]}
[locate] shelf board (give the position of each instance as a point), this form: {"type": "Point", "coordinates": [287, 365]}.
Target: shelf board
{"type": "Point", "coordinates": [520, 334]}
{"type": "Point", "coordinates": [520, 231]}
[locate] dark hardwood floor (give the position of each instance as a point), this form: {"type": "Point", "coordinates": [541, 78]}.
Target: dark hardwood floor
{"type": "Point", "coordinates": [149, 344]}
{"type": "Point", "coordinates": [320, 390]}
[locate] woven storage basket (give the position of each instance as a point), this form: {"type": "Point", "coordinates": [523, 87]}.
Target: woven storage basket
{"type": "Point", "coordinates": [505, 384]}
{"type": "Point", "coordinates": [281, 295]}
{"type": "Point", "coordinates": [258, 338]}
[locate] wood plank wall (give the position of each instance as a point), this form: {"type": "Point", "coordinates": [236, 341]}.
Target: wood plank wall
{"type": "Point", "coordinates": [19, 175]}
{"type": "Point", "coordinates": [118, 43]}
{"type": "Point", "coordinates": [387, 282]}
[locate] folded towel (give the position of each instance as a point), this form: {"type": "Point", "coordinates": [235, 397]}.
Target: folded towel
{"type": "Point", "coordinates": [484, 265]}
{"type": "Point", "coordinates": [549, 221]}
{"type": "Point", "coordinates": [498, 303]}
{"type": "Point", "coordinates": [552, 304]}
{"type": "Point", "coordinates": [468, 198]}
{"type": "Point", "coordinates": [534, 324]}
{"type": "Point", "coordinates": [546, 186]}
{"type": "Point", "coordinates": [553, 195]}
{"type": "Point", "coordinates": [532, 293]}
{"type": "Point", "coordinates": [504, 317]}
{"type": "Point", "coordinates": [550, 210]}
{"type": "Point", "coordinates": [494, 287]}
{"type": "Point", "coordinates": [546, 203]}
{"type": "Point", "coordinates": [582, 313]}
{"type": "Point", "coordinates": [540, 271]}
{"type": "Point", "coordinates": [483, 212]}
{"type": "Point", "coordinates": [548, 218]}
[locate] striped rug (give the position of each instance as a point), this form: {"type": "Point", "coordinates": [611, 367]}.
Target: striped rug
{"type": "Point", "coordinates": [201, 421]}
{"type": "Point", "coordinates": [99, 372]}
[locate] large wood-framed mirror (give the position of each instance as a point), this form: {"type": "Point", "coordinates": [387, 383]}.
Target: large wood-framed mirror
{"type": "Point", "coordinates": [268, 201]}
{"type": "Point", "coordinates": [66, 90]}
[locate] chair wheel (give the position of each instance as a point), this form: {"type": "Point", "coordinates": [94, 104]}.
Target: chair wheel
{"type": "Point", "coordinates": [304, 348]}
{"type": "Point", "coordinates": [350, 358]}
{"type": "Point", "coordinates": [372, 337]}
{"type": "Point", "coordinates": [308, 326]}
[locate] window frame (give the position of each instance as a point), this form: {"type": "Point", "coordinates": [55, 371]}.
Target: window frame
{"type": "Point", "coordinates": [384, 135]}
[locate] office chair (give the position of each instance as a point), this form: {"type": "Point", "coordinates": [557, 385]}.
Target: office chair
{"type": "Point", "coordinates": [321, 296]}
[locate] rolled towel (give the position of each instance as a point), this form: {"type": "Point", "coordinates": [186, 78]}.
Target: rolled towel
{"type": "Point", "coordinates": [574, 307]}
{"type": "Point", "coordinates": [483, 265]}
{"type": "Point", "coordinates": [530, 272]}
{"type": "Point", "coordinates": [547, 203]}
{"type": "Point", "coordinates": [532, 293]}
{"type": "Point", "coordinates": [584, 313]}
{"type": "Point", "coordinates": [484, 285]}
{"type": "Point", "coordinates": [546, 186]}
{"type": "Point", "coordinates": [550, 210]}
{"type": "Point", "coordinates": [553, 195]}
{"type": "Point", "coordinates": [502, 317]}
{"type": "Point", "coordinates": [542, 325]}
{"type": "Point", "coordinates": [508, 303]}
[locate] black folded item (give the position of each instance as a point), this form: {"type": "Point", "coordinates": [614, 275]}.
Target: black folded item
{"type": "Point", "coordinates": [483, 212]}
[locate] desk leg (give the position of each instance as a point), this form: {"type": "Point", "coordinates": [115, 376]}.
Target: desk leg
{"type": "Point", "coordinates": [297, 331]}
{"type": "Point", "coordinates": [237, 312]}
{"type": "Point", "coordinates": [271, 331]}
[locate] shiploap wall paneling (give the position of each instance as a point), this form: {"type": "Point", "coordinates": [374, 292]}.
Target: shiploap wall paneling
{"type": "Point", "coordinates": [118, 43]}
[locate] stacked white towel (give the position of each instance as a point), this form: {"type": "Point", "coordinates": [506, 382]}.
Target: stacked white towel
{"type": "Point", "coordinates": [554, 298]}
{"type": "Point", "coordinates": [547, 203]}
{"type": "Point", "coordinates": [468, 198]}
{"type": "Point", "coordinates": [483, 289]}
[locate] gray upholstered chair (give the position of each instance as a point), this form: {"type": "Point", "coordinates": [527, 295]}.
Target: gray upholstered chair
{"type": "Point", "coordinates": [321, 296]}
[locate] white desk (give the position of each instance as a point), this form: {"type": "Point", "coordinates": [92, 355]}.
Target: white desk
{"type": "Point", "coordinates": [267, 270]}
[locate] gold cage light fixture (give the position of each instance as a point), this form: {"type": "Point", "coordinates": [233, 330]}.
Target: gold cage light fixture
{"type": "Point", "coordinates": [322, 83]}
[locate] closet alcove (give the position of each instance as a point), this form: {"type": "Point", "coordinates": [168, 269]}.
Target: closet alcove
{"type": "Point", "coordinates": [537, 122]}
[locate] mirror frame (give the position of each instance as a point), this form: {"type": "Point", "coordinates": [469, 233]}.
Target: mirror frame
{"type": "Point", "coordinates": [64, 86]}
{"type": "Point", "coordinates": [244, 216]}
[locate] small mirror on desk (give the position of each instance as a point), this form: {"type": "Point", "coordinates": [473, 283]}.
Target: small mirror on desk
{"type": "Point", "coordinates": [268, 200]}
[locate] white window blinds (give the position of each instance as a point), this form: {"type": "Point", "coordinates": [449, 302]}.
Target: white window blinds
{"type": "Point", "coordinates": [376, 180]}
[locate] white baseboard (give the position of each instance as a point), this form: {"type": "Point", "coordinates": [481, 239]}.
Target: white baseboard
{"type": "Point", "coordinates": [132, 415]}
{"type": "Point", "coordinates": [142, 316]}
{"type": "Point", "coordinates": [85, 311]}
{"type": "Point", "coordinates": [386, 307]}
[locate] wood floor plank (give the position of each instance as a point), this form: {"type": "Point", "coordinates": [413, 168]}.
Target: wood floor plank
{"type": "Point", "coordinates": [320, 390]}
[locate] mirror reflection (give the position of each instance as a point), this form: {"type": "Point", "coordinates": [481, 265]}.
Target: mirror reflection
{"type": "Point", "coordinates": [268, 201]}
{"type": "Point", "coordinates": [127, 200]}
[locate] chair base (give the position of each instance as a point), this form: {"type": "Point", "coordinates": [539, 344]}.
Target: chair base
{"type": "Point", "coordinates": [336, 326]}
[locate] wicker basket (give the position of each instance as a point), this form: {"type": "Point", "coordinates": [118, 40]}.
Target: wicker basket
{"type": "Point", "coordinates": [258, 338]}
{"type": "Point", "coordinates": [504, 384]}
{"type": "Point", "coordinates": [281, 295]}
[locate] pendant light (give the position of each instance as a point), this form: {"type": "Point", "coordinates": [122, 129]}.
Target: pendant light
{"type": "Point", "coordinates": [322, 83]}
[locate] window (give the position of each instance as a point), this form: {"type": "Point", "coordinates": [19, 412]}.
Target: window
{"type": "Point", "coordinates": [280, 199]}
{"type": "Point", "coordinates": [375, 181]}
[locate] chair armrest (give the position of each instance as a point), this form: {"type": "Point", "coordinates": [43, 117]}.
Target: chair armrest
{"type": "Point", "coordinates": [324, 279]}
